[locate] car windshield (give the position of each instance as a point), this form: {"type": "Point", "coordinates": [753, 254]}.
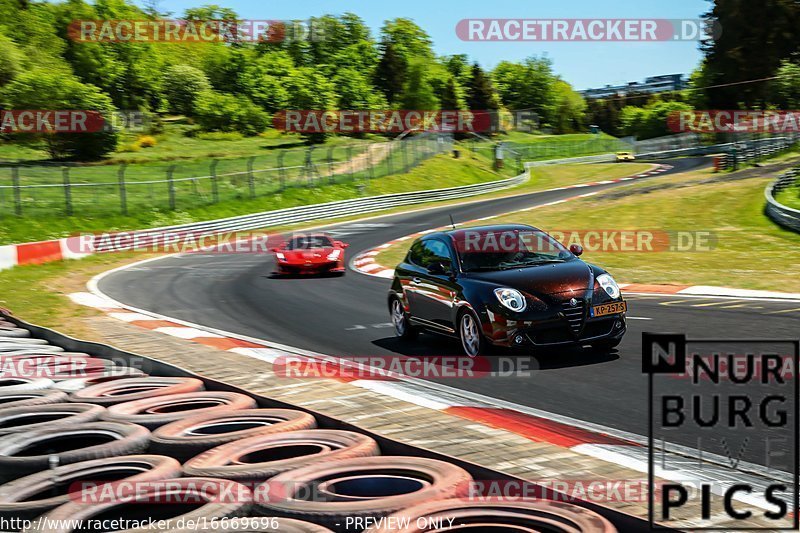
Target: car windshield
{"type": "Point", "coordinates": [306, 243]}
{"type": "Point", "coordinates": [501, 250]}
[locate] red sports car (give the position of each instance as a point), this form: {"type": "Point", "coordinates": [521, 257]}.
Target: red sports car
{"type": "Point", "coordinates": [310, 254]}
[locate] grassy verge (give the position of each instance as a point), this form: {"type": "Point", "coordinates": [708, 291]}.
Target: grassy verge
{"type": "Point", "coordinates": [789, 197]}
{"type": "Point", "coordinates": [748, 250]}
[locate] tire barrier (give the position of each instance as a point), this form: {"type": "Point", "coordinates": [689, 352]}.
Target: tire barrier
{"type": "Point", "coordinates": [12, 332]}
{"type": "Point", "coordinates": [32, 451]}
{"type": "Point", "coordinates": [197, 433]}
{"type": "Point", "coordinates": [209, 497]}
{"type": "Point", "coordinates": [262, 457]}
{"type": "Point", "coordinates": [470, 516]}
{"type": "Point", "coordinates": [154, 412]}
{"type": "Point", "coordinates": [36, 494]}
{"type": "Point", "coordinates": [31, 398]}
{"type": "Point", "coordinates": [17, 419]}
{"type": "Point", "coordinates": [72, 385]}
{"type": "Point", "coordinates": [329, 493]}
{"type": "Point", "coordinates": [782, 215]}
{"type": "Point", "coordinates": [133, 389]}
{"type": "Point", "coordinates": [24, 384]}
{"type": "Point", "coordinates": [300, 479]}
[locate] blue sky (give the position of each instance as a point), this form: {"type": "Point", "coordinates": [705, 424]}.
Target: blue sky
{"type": "Point", "coordinates": [582, 64]}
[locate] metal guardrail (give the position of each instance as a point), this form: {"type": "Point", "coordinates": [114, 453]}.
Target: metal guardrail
{"type": "Point", "coordinates": [780, 214]}
{"type": "Point", "coordinates": [305, 213]}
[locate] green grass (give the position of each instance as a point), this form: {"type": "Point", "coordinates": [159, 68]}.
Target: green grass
{"type": "Point", "coordinates": [789, 197]}
{"type": "Point", "coordinates": [438, 172]}
{"type": "Point", "coordinates": [542, 178]}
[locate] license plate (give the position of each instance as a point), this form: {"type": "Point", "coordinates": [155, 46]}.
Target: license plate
{"type": "Point", "coordinates": [610, 309]}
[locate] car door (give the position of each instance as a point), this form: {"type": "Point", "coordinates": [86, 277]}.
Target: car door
{"type": "Point", "coordinates": [434, 292]}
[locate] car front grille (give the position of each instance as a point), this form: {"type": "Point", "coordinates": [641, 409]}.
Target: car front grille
{"type": "Point", "coordinates": [575, 315]}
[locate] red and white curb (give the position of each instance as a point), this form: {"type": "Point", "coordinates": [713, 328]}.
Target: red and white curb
{"type": "Point", "coordinates": [365, 262]}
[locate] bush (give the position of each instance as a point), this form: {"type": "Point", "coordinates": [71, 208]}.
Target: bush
{"type": "Point", "coordinates": [44, 89]}
{"type": "Point", "coordinates": [147, 141]}
{"type": "Point", "coordinates": [225, 112]}
{"type": "Point", "coordinates": [182, 86]}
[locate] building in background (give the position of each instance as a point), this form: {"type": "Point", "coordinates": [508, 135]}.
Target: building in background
{"type": "Point", "coordinates": [653, 84]}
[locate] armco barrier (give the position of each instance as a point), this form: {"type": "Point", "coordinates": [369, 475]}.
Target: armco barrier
{"type": "Point", "coordinates": [780, 214]}
{"type": "Point", "coordinates": [623, 522]}
{"type": "Point", "coordinates": [76, 247]}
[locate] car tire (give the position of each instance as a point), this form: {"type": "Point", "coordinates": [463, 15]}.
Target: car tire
{"type": "Point", "coordinates": [284, 451]}
{"type": "Point", "coordinates": [31, 398]}
{"type": "Point", "coordinates": [25, 418]}
{"type": "Point", "coordinates": [132, 389]}
{"type": "Point", "coordinates": [407, 481]}
{"type": "Point", "coordinates": [24, 384]}
{"type": "Point", "coordinates": [471, 335]}
{"type": "Point", "coordinates": [400, 319]}
{"type": "Point", "coordinates": [159, 410]}
{"type": "Point", "coordinates": [193, 435]}
{"type": "Point", "coordinates": [39, 493]}
{"type": "Point", "coordinates": [68, 444]}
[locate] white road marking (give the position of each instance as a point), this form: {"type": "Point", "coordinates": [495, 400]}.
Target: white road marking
{"type": "Point", "coordinates": [638, 318]}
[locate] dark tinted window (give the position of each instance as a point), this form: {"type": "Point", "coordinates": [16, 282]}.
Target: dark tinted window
{"type": "Point", "coordinates": [423, 253]}
{"type": "Point", "coordinates": [306, 242]}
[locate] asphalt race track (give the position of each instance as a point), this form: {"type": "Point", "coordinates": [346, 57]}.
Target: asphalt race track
{"type": "Point", "coordinates": [349, 315]}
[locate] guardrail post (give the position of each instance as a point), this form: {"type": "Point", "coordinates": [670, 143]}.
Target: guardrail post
{"type": "Point", "coordinates": [370, 168]}
{"type": "Point", "coordinates": [123, 193]}
{"type": "Point", "coordinates": [281, 169]}
{"type": "Point", "coordinates": [15, 185]}
{"type": "Point", "coordinates": [67, 190]}
{"type": "Point", "coordinates": [331, 178]}
{"type": "Point", "coordinates": [251, 180]}
{"type": "Point", "coordinates": [171, 187]}
{"type": "Point", "coordinates": [214, 182]}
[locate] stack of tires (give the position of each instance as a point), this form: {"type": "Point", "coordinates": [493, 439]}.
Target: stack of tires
{"type": "Point", "coordinates": [106, 449]}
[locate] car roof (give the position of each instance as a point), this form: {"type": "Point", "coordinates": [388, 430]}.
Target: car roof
{"type": "Point", "coordinates": [458, 233]}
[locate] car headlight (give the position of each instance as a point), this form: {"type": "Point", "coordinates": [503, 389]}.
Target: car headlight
{"type": "Point", "coordinates": [280, 256]}
{"type": "Point", "coordinates": [512, 299]}
{"type": "Point", "coordinates": [609, 285]}
{"type": "Point", "coordinates": [334, 255]}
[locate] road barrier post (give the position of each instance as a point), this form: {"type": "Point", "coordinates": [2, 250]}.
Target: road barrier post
{"type": "Point", "coordinates": [171, 187]}
{"type": "Point", "coordinates": [251, 181]}
{"type": "Point", "coordinates": [123, 194]}
{"type": "Point", "coordinates": [281, 169]}
{"type": "Point", "coordinates": [67, 190]}
{"type": "Point", "coordinates": [214, 182]}
{"type": "Point", "coordinates": [15, 185]}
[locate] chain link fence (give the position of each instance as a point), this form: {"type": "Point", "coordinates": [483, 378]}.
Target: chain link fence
{"type": "Point", "coordinates": [102, 189]}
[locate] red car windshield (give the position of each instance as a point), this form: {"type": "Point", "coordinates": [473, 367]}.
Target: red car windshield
{"type": "Point", "coordinates": [306, 243]}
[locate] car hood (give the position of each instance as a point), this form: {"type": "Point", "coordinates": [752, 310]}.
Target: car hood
{"type": "Point", "coordinates": [553, 278]}
{"type": "Point", "coordinates": [314, 254]}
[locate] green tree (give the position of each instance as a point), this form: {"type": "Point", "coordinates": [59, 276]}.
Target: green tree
{"type": "Point", "coordinates": [480, 93]}
{"type": "Point", "coordinates": [182, 86]}
{"type": "Point", "coordinates": [41, 89]}
{"type": "Point", "coordinates": [785, 91]}
{"type": "Point", "coordinates": [568, 109]}
{"type": "Point", "coordinates": [11, 60]}
{"type": "Point", "coordinates": [390, 73]}
{"type": "Point", "coordinates": [417, 92]}
{"type": "Point", "coordinates": [216, 111]}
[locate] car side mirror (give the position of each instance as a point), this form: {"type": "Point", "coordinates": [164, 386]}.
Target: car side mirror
{"type": "Point", "coordinates": [340, 244]}
{"type": "Point", "coordinates": [276, 249]}
{"type": "Point", "coordinates": [576, 249]}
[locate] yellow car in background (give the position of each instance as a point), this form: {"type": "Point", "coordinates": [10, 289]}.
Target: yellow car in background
{"type": "Point", "coordinates": [625, 156]}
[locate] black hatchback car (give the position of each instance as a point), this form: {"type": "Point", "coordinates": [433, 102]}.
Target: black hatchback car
{"type": "Point", "coordinates": [509, 286]}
